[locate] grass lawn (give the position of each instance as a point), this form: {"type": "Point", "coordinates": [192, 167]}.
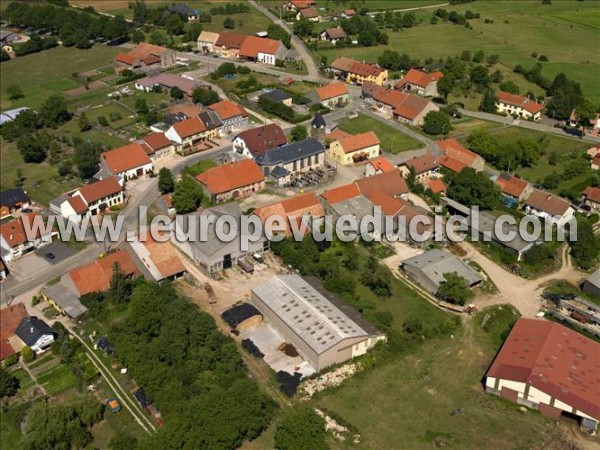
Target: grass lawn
{"type": "Point", "coordinates": [57, 379]}
{"type": "Point", "coordinates": [49, 72]}
{"type": "Point", "coordinates": [43, 360]}
{"type": "Point", "coordinates": [117, 116]}
{"type": "Point", "coordinates": [391, 139]}
{"type": "Point", "coordinates": [25, 381]}
{"type": "Point", "coordinates": [519, 28]}
{"type": "Point", "coordinates": [199, 167]}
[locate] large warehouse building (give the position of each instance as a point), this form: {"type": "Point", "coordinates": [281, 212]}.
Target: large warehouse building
{"type": "Point", "coordinates": [323, 329]}
{"type": "Point", "coordinates": [546, 366]}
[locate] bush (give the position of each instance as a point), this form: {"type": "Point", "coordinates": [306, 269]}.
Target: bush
{"type": "Point", "coordinates": [11, 360]}
{"type": "Point", "coordinates": [35, 300]}
{"type": "Point", "coordinates": [28, 354]}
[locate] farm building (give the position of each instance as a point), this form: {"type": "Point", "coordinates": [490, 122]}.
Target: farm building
{"type": "Point", "coordinates": [324, 330]}
{"type": "Point", "coordinates": [551, 368]}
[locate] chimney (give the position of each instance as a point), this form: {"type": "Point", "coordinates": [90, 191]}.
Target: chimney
{"type": "Point", "coordinates": [31, 330]}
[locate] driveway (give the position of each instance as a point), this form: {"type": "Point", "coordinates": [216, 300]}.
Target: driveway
{"type": "Point", "coordinates": [59, 250]}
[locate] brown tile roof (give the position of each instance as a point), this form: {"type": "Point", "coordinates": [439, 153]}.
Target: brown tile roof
{"type": "Point", "coordinates": [389, 97]}
{"type": "Point", "coordinates": [370, 89]}
{"type": "Point", "coordinates": [341, 193]}
{"type": "Point", "coordinates": [309, 13]}
{"type": "Point", "coordinates": [511, 185]}
{"type": "Point", "coordinates": [411, 106]}
{"type": "Point", "coordinates": [337, 134]}
{"type": "Point", "coordinates": [189, 127]}
{"type": "Point", "coordinates": [422, 164]}
{"type": "Point", "coordinates": [519, 100]}
{"type": "Point", "coordinates": [165, 257]}
{"type": "Point", "coordinates": [350, 12]}
{"type": "Point", "coordinates": [356, 67]}
{"type": "Point", "coordinates": [260, 139]}
{"type": "Point", "coordinates": [189, 109]}
{"type": "Point", "coordinates": [335, 33]}
{"type": "Point", "coordinates": [554, 359]}
{"type": "Point", "coordinates": [100, 189]}
{"type": "Point", "coordinates": [167, 198]}
{"type": "Point", "coordinates": [140, 52]}
{"type": "Point", "coordinates": [435, 185]}
{"type": "Point", "coordinates": [10, 318]}
{"type": "Point", "coordinates": [332, 90]}
{"type": "Point", "coordinates": [592, 194]}
{"type": "Point", "coordinates": [231, 176]}
{"type": "Point", "coordinates": [381, 164]}
{"type": "Point", "coordinates": [13, 231]}
{"type": "Point", "coordinates": [96, 276]}
{"type": "Point", "coordinates": [77, 204]}
{"type": "Point", "coordinates": [227, 109]}
{"type": "Point", "coordinates": [357, 142]}
{"type": "Point", "coordinates": [156, 141]}
{"type": "Point", "coordinates": [452, 164]}
{"type": "Point", "coordinates": [252, 45]}
{"type": "Point", "coordinates": [301, 4]}
{"type": "Point", "coordinates": [451, 148]}
{"type": "Point", "coordinates": [126, 158]}
{"type": "Point", "coordinates": [390, 183]}
{"type": "Point", "coordinates": [291, 208]}
{"type": "Point", "coordinates": [548, 203]}
{"type": "Point", "coordinates": [419, 78]}
{"type": "Point", "coordinates": [391, 206]}
{"type": "Point", "coordinates": [230, 40]}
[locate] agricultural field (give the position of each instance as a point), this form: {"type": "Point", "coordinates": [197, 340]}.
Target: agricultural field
{"type": "Point", "coordinates": [391, 139]}
{"type": "Point", "coordinates": [519, 29]}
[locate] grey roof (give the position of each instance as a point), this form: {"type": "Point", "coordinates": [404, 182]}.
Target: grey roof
{"type": "Point", "coordinates": [210, 119]}
{"type": "Point", "coordinates": [277, 95]}
{"type": "Point", "coordinates": [279, 172]}
{"type": "Point", "coordinates": [292, 54]}
{"type": "Point", "coordinates": [318, 121]}
{"type": "Point", "coordinates": [290, 152]}
{"type": "Point", "coordinates": [594, 278]}
{"type": "Point", "coordinates": [31, 329]}
{"type": "Point", "coordinates": [65, 295]}
{"type": "Point", "coordinates": [11, 197]}
{"type": "Point", "coordinates": [435, 263]}
{"type": "Point", "coordinates": [57, 201]}
{"type": "Point", "coordinates": [182, 8]}
{"type": "Point", "coordinates": [9, 116]}
{"type": "Point", "coordinates": [358, 206]}
{"type": "Point", "coordinates": [314, 318]}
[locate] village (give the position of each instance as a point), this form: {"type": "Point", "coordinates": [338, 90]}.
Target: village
{"type": "Point", "coordinates": [271, 109]}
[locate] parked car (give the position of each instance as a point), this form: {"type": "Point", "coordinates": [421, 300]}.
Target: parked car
{"type": "Point", "coordinates": [50, 256]}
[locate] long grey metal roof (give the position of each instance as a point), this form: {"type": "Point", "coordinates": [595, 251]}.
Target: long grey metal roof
{"type": "Point", "coordinates": [65, 295]}
{"type": "Point", "coordinates": [290, 152]}
{"type": "Point", "coordinates": [435, 263]}
{"type": "Point", "coordinates": [594, 278]}
{"type": "Point", "coordinates": [314, 318]}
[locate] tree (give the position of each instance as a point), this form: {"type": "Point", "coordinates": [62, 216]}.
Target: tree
{"type": "Point", "coordinates": [54, 111]}
{"type": "Point", "coordinates": [187, 195]}
{"type": "Point", "coordinates": [540, 254]}
{"type": "Point", "coordinates": [34, 146]}
{"type": "Point", "coordinates": [205, 96]}
{"type": "Point", "coordinates": [138, 36]}
{"type": "Point", "coordinates": [175, 25]}
{"type": "Point", "coordinates": [279, 34]}
{"type": "Point", "coordinates": [298, 133]}
{"type": "Point", "coordinates": [492, 59]}
{"type": "Point", "coordinates": [455, 289]}
{"type": "Point", "coordinates": [176, 93]}
{"type": "Point", "coordinates": [488, 102]}
{"type": "Point", "coordinates": [436, 123]}
{"type": "Point", "coordinates": [566, 96]}
{"type": "Point", "coordinates": [141, 107]}
{"type": "Point", "coordinates": [4, 56]}
{"type": "Point", "coordinates": [586, 247]}
{"type": "Point", "coordinates": [157, 38]}
{"type": "Point", "coordinates": [27, 354]}
{"type": "Point", "coordinates": [120, 287]}
{"type": "Point", "coordinates": [84, 123]}
{"type": "Point", "coordinates": [166, 182]}
{"type": "Point", "coordinates": [87, 154]}
{"type": "Point", "coordinates": [510, 87]}
{"type": "Point", "coordinates": [301, 429]}
{"type": "Point", "coordinates": [303, 27]}
{"type": "Point", "coordinates": [193, 31]}
{"type": "Point", "coordinates": [480, 75]}
{"type": "Point", "coordinates": [586, 112]}
{"type": "Point", "coordinates": [14, 91]}
{"type": "Point", "coordinates": [9, 384]}
{"type": "Point", "coordinates": [478, 56]}
{"type": "Point", "coordinates": [473, 188]}
{"type": "Point", "coordinates": [446, 85]}
{"type": "Point", "coordinates": [122, 441]}
{"type": "Point", "coordinates": [229, 23]}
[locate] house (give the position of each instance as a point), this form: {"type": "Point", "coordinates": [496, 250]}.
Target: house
{"type": "Point", "coordinates": [232, 180]}
{"type": "Point", "coordinates": [157, 145]}
{"type": "Point", "coordinates": [166, 203]}
{"type": "Point", "coordinates": [89, 200]}
{"type": "Point", "coordinates": [402, 214]}
{"type": "Point", "coordinates": [127, 162]}
{"type": "Point", "coordinates": [292, 209]}
{"type": "Point", "coordinates": [356, 72]}
{"type": "Point", "coordinates": [12, 200]}
{"type": "Point", "coordinates": [428, 269]}
{"type": "Point", "coordinates": [594, 153]}
{"type": "Point", "coordinates": [324, 330]}
{"type": "Point", "coordinates": [187, 134]}
{"type": "Point", "coordinates": [591, 197]}
{"type": "Point", "coordinates": [455, 156]}
{"type": "Point", "coordinates": [278, 96]}
{"type": "Point", "coordinates": [549, 207]}
{"type": "Point", "coordinates": [513, 187]}
{"type": "Point", "coordinates": [144, 57]}
{"type": "Point", "coordinates": [263, 50]}
{"type": "Point", "coordinates": [35, 333]}
{"type": "Point", "coordinates": [355, 148]}
{"type": "Point", "coordinates": [15, 242]}
{"type": "Point", "coordinates": [593, 127]}
{"type": "Point", "coordinates": [435, 185]}
{"type": "Point", "coordinates": [187, 14]}
{"type": "Point", "coordinates": [207, 41]}
{"type": "Point", "coordinates": [64, 297]}
{"type": "Point", "coordinates": [10, 318]}
{"type": "Point", "coordinates": [336, 134]}
{"type": "Point", "coordinates": [297, 5]}
{"type": "Point", "coordinates": [288, 161]}
{"type": "Point", "coordinates": [546, 366]}
{"type": "Point", "coordinates": [421, 83]}
{"type": "Point", "coordinates": [333, 35]}
{"type": "Point", "coordinates": [591, 285]}
{"type": "Point", "coordinates": [233, 116]}
{"type": "Point", "coordinates": [412, 110]}
{"type": "Point", "coordinates": [369, 90]}
{"type": "Point", "coordinates": [334, 95]}
{"type": "Point", "coordinates": [257, 141]}
{"type": "Point", "coordinates": [348, 13]}
{"type": "Point", "coordinates": [310, 14]}
{"type": "Point", "coordinates": [228, 44]}
{"type": "Point", "coordinates": [160, 259]}
{"type": "Point", "coordinates": [518, 106]}
{"type": "Point", "coordinates": [424, 167]}
{"type": "Point", "coordinates": [167, 81]}
{"type": "Point", "coordinates": [213, 255]}
{"type": "Point", "coordinates": [377, 166]}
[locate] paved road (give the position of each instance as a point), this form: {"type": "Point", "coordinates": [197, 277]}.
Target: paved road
{"type": "Point", "coordinates": [523, 124]}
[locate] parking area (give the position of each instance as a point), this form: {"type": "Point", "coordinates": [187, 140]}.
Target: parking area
{"type": "Point", "coordinates": [28, 265]}
{"type": "Point", "coordinates": [56, 252]}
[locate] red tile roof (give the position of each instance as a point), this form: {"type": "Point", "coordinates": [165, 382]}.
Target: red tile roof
{"type": "Point", "coordinates": [301, 4]}
{"type": "Point", "coordinates": [358, 142]}
{"type": "Point", "coordinates": [452, 164]}
{"type": "Point", "coordinates": [511, 185]}
{"type": "Point", "coordinates": [350, 12]}
{"type": "Point", "coordinates": [381, 164]}
{"type": "Point", "coordinates": [231, 176]}
{"type": "Point", "coordinates": [77, 204]}
{"type": "Point", "coordinates": [389, 97]}
{"type": "Point", "coordinates": [411, 106]}
{"type": "Point", "coordinates": [332, 90]}
{"type": "Point", "coordinates": [309, 13]}
{"type": "Point", "coordinates": [519, 100]}
{"type": "Point", "coordinates": [435, 185]}
{"type": "Point", "coordinates": [230, 40]}
{"type": "Point", "coordinates": [592, 194]}
{"type": "Point", "coordinates": [337, 134]}
{"type": "Point", "coordinates": [140, 52]}
{"type": "Point", "coordinates": [356, 67]}
{"type": "Point", "coordinates": [253, 45]}
{"type": "Point", "coordinates": [167, 198]}
{"type": "Point", "coordinates": [548, 203]}
{"type": "Point", "coordinates": [126, 58]}
{"type": "Point", "coordinates": [13, 231]}
{"type": "Point", "coordinates": [96, 276]}
{"type": "Point", "coordinates": [10, 318]}
{"type": "Point", "coordinates": [227, 109]}
{"type": "Point", "coordinates": [126, 158]}
{"type": "Point", "coordinates": [390, 183]}
{"type": "Point", "coordinates": [341, 193]}
{"type": "Point", "coordinates": [100, 189]}
{"type": "Point", "coordinates": [419, 78]}
{"type": "Point", "coordinates": [294, 207]}
{"type": "Point", "coordinates": [335, 33]}
{"type": "Point", "coordinates": [422, 164]}
{"type": "Point", "coordinates": [260, 139]}
{"type": "Point", "coordinates": [156, 141]}
{"type": "Point", "coordinates": [451, 148]}
{"type": "Point", "coordinates": [189, 127]}
{"type": "Point", "coordinates": [164, 256]}
{"type": "Point", "coordinates": [555, 360]}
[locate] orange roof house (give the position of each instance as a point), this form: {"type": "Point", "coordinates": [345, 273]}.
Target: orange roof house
{"type": "Point", "coordinates": [518, 105]}
{"type": "Point", "coordinates": [378, 165]}
{"type": "Point", "coordinates": [13, 232]}
{"type": "Point", "coordinates": [145, 54]}
{"type": "Point", "coordinates": [292, 209]}
{"type": "Point", "coordinates": [353, 143]}
{"type": "Point", "coordinates": [160, 259]}
{"type": "Point", "coordinates": [155, 142]}
{"type": "Point", "coordinates": [435, 185]}
{"type": "Point", "coordinates": [513, 186]}
{"type": "Point", "coordinates": [10, 318]}
{"type": "Point", "coordinates": [100, 189]}
{"type": "Point", "coordinates": [591, 197]}
{"type": "Point", "coordinates": [129, 160]}
{"type": "Point", "coordinates": [419, 82]}
{"type": "Point", "coordinates": [189, 127]}
{"type": "Point", "coordinates": [341, 193]}
{"type": "Point", "coordinates": [227, 109]}
{"type": "Point", "coordinates": [232, 180]}
{"type": "Point", "coordinates": [452, 149]}
{"type": "Point", "coordinates": [332, 91]}
{"type": "Point", "coordinates": [452, 164]}
{"type": "Point", "coordinates": [253, 47]}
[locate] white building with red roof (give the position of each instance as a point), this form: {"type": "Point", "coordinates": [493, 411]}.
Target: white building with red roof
{"type": "Point", "coordinates": [157, 145]}
{"type": "Point", "coordinates": [549, 367]}
{"type": "Point", "coordinates": [232, 180]}
{"type": "Point", "coordinates": [518, 105]}
{"type": "Point", "coordinates": [15, 240]}
{"type": "Point", "coordinates": [421, 83]}
{"type": "Point", "coordinates": [263, 50]}
{"type": "Point", "coordinates": [233, 116]}
{"type": "Point", "coordinates": [591, 197]}
{"type": "Point", "coordinates": [126, 162]}
{"type": "Point", "coordinates": [144, 57]}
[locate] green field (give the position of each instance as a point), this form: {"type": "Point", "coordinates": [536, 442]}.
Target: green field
{"type": "Point", "coordinates": [57, 379]}
{"type": "Point", "coordinates": [112, 111]}
{"type": "Point", "coordinates": [519, 28]}
{"type": "Point", "coordinates": [391, 139]}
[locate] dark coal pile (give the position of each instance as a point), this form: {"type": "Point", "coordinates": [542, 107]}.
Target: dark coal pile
{"type": "Point", "coordinates": [288, 384]}
{"type": "Point", "coordinates": [251, 348]}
